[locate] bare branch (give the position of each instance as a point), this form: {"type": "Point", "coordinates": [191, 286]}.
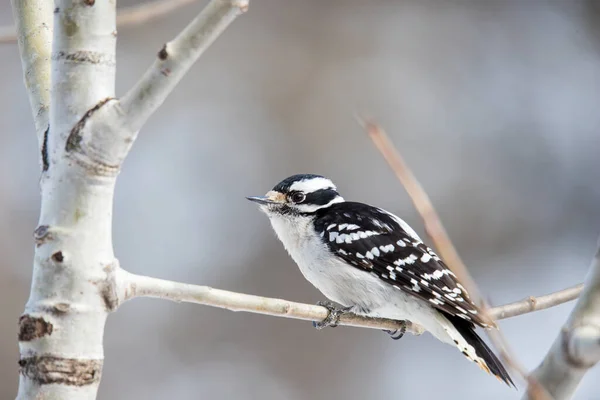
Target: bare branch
{"type": "Point", "coordinates": [34, 31]}
{"type": "Point", "coordinates": [128, 16]}
{"type": "Point", "coordinates": [73, 249]}
{"type": "Point", "coordinates": [116, 125]}
{"type": "Point", "coordinates": [577, 347]}
{"type": "Point", "coordinates": [422, 203]}
{"type": "Point", "coordinates": [531, 303]}
{"type": "Point", "coordinates": [132, 286]}
{"type": "Point", "coordinates": [175, 59]}
{"type": "Point", "coordinates": [74, 270]}
{"type": "Point", "coordinates": [436, 231]}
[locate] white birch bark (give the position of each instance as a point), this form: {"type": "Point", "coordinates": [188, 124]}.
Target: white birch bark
{"type": "Point", "coordinates": [33, 20]}
{"type": "Point", "coordinates": [61, 330]}
{"type": "Point", "coordinates": [74, 284]}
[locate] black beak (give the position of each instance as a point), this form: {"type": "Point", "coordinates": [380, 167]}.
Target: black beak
{"type": "Point", "coordinates": [261, 199]}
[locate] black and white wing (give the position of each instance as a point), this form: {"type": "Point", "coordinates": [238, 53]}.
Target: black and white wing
{"type": "Point", "coordinates": [379, 242]}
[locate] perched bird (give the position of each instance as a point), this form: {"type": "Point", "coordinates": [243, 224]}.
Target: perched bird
{"type": "Point", "coordinates": [373, 264]}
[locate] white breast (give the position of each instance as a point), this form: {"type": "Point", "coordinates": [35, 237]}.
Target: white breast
{"type": "Point", "coordinates": [341, 282]}
{"type": "Point", "coordinates": [308, 251]}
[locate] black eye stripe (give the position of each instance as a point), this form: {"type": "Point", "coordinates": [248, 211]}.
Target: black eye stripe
{"type": "Point", "coordinates": [320, 197]}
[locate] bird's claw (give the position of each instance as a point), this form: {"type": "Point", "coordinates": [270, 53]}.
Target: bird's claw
{"type": "Point", "coordinates": [397, 333]}
{"type": "Point", "coordinates": [333, 317]}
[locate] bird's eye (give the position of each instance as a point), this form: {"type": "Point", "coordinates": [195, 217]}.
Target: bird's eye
{"type": "Point", "coordinates": [297, 197]}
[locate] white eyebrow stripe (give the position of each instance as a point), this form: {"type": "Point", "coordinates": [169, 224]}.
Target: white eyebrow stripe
{"type": "Point", "coordinates": [308, 208]}
{"type": "Point", "coordinates": [312, 185]}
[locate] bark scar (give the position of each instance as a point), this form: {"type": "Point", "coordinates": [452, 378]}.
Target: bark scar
{"type": "Point", "coordinates": [46, 369]}
{"type": "Point", "coordinates": [74, 139]}
{"type": "Point", "coordinates": [45, 162]}
{"type": "Point", "coordinates": [31, 328]}
{"type": "Point", "coordinates": [42, 234]}
{"type": "Point", "coordinates": [84, 57]}
{"type": "Point", "coordinates": [532, 302]}
{"type": "Point", "coordinates": [58, 257]}
{"type": "Point", "coordinates": [108, 288]}
{"type": "Point", "coordinates": [163, 54]}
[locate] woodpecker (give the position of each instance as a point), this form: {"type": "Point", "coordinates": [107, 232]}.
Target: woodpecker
{"type": "Point", "coordinates": [374, 264]}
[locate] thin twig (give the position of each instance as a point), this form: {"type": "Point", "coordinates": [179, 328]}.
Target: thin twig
{"type": "Point", "coordinates": [128, 16]}
{"type": "Point", "coordinates": [436, 231]}
{"type": "Point", "coordinates": [127, 115]}
{"type": "Point", "coordinates": [536, 303]}
{"type": "Point", "coordinates": [422, 203]}
{"type": "Point", "coordinates": [132, 286]}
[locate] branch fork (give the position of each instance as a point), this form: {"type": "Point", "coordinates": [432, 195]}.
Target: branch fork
{"type": "Point", "coordinates": [577, 346]}
{"type": "Point", "coordinates": [84, 136]}
{"type": "Point", "coordinates": [77, 280]}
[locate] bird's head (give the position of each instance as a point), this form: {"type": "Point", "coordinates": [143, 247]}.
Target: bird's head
{"type": "Point", "coordinates": [302, 194]}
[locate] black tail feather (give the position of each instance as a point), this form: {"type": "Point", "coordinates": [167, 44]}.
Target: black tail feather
{"type": "Point", "coordinates": [467, 331]}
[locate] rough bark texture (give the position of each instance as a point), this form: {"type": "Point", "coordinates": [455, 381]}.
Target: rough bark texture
{"type": "Point", "coordinates": [62, 329]}
{"type": "Point", "coordinates": [31, 328]}
{"type": "Point", "coordinates": [67, 371]}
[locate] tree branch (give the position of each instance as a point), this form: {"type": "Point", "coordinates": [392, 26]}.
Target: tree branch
{"type": "Point", "coordinates": [73, 290]}
{"type": "Point", "coordinates": [436, 231]}
{"type": "Point", "coordinates": [531, 303]}
{"type": "Point", "coordinates": [34, 32]}
{"type": "Point", "coordinates": [76, 280]}
{"type": "Point", "coordinates": [432, 222]}
{"type": "Point", "coordinates": [116, 125]}
{"type": "Point", "coordinates": [130, 286]}
{"type": "Point", "coordinates": [83, 51]}
{"type": "Point", "coordinates": [175, 59]}
{"type": "Point", "coordinates": [577, 347]}
{"type": "Point", "coordinates": [61, 329]}
{"type": "Point", "coordinates": [128, 16]}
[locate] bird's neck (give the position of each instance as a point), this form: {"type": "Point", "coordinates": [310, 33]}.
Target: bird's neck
{"type": "Point", "coordinates": [293, 231]}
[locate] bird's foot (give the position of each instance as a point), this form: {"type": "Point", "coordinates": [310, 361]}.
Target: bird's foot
{"type": "Point", "coordinates": [332, 319]}
{"type": "Point", "coordinates": [397, 333]}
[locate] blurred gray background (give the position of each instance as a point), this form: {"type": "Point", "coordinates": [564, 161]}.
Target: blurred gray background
{"type": "Point", "coordinates": [493, 103]}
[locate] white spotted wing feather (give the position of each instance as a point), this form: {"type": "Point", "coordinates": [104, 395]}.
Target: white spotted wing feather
{"type": "Point", "coordinates": [376, 241]}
